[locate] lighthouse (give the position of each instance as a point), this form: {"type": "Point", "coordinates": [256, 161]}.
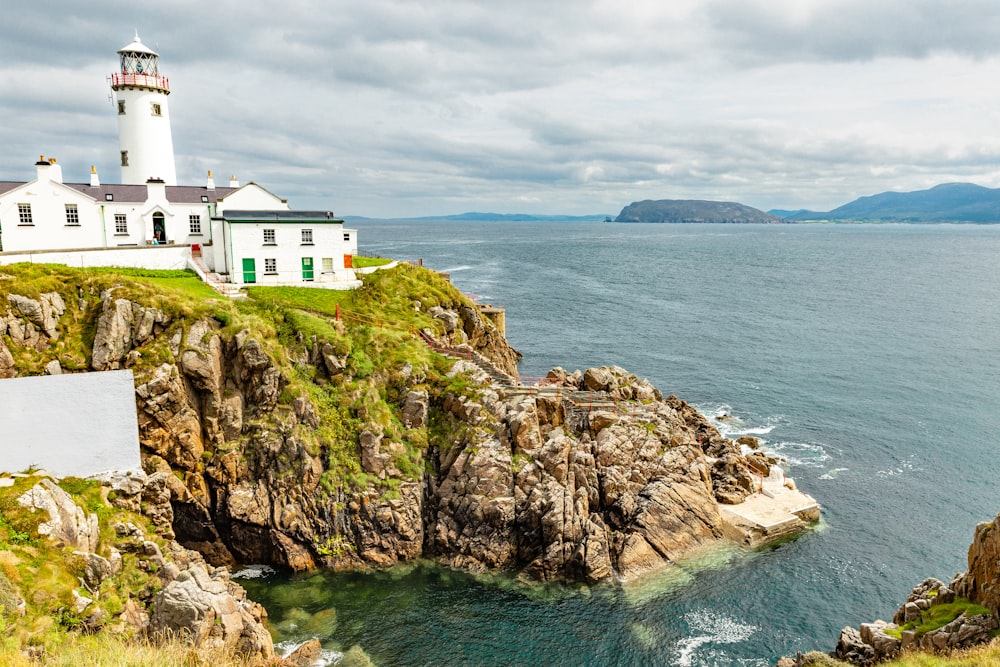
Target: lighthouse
{"type": "Point", "coordinates": [144, 141]}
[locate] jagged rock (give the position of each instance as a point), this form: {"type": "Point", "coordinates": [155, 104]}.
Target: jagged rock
{"type": "Point", "coordinates": [53, 368]}
{"type": "Point", "coordinates": [121, 325]}
{"type": "Point", "coordinates": [96, 568]}
{"type": "Point", "coordinates": [415, 407]}
{"type": "Point", "coordinates": [851, 648]}
{"type": "Point", "coordinates": [43, 313]}
{"type": "Point", "coordinates": [306, 655]}
{"type": "Point", "coordinates": [981, 583]}
{"type": "Point", "coordinates": [211, 612]}
{"type": "Point", "coordinates": [7, 369]}
{"type": "Point", "coordinates": [448, 318]}
{"type": "Point", "coordinates": [168, 424]}
{"type": "Point", "coordinates": [68, 525]}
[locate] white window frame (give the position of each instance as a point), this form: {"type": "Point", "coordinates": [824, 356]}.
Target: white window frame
{"type": "Point", "coordinates": [194, 220]}
{"type": "Point", "coordinates": [155, 108]}
{"type": "Point", "coordinates": [24, 216]}
{"type": "Point", "coordinates": [270, 266]}
{"type": "Point", "coordinates": [307, 237]}
{"type": "Point", "coordinates": [326, 264]}
{"type": "Point", "coordinates": [269, 237]}
{"type": "Point", "coordinates": [72, 215]}
{"type": "Point", "coordinates": [121, 224]}
{"type": "Point", "coordinates": [347, 236]}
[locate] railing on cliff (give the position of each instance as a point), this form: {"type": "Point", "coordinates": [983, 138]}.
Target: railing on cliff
{"type": "Point", "coordinates": [581, 399]}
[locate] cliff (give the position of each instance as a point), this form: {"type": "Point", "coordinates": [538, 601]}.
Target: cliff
{"type": "Point", "coordinates": [307, 428]}
{"type": "Point", "coordinates": [693, 211]}
{"type": "Point", "coordinates": [935, 618]}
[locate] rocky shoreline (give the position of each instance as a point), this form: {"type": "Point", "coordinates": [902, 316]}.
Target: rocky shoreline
{"type": "Point", "coordinates": [594, 477]}
{"type": "Point", "coordinates": [935, 618]}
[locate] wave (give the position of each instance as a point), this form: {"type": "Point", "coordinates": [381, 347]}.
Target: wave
{"type": "Point", "coordinates": [832, 474]}
{"type": "Point", "coordinates": [801, 453]}
{"type": "Point", "coordinates": [453, 269]}
{"type": "Point", "coordinates": [711, 628]}
{"type": "Point", "coordinates": [327, 657]}
{"type": "Point", "coordinates": [253, 572]}
{"type": "Point", "coordinates": [731, 425]}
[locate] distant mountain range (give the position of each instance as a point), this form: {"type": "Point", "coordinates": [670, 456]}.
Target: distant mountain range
{"type": "Point", "coordinates": [473, 216]}
{"type": "Point", "coordinates": [949, 202]}
{"type": "Point", "coordinates": [694, 210]}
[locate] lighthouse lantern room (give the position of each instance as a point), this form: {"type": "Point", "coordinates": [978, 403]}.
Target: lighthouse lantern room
{"type": "Point", "coordinates": [144, 139]}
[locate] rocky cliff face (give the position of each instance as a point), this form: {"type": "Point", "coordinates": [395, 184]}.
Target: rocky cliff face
{"type": "Point", "coordinates": [594, 478]}
{"type": "Point", "coordinates": [935, 617]}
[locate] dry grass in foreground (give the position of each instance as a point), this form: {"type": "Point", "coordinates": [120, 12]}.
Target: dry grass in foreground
{"type": "Point", "coordinates": [987, 655]}
{"type": "Point", "coordinates": [105, 650]}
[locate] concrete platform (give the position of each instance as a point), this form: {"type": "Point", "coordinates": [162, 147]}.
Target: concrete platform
{"type": "Point", "coordinates": [778, 510]}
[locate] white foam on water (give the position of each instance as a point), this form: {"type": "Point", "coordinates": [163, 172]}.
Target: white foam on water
{"type": "Point", "coordinates": [711, 628]}
{"type": "Point", "coordinates": [832, 474]}
{"type": "Point", "coordinates": [721, 416]}
{"type": "Point", "coordinates": [453, 269]}
{"type": "Point", "coordinates": [327, 657]}
{"type": "Point", "coordinates": [253, 572]}
{"type": "Point", "coordinates": [801, 453]}
{"type": "Point", "coordinates": [902, 468]}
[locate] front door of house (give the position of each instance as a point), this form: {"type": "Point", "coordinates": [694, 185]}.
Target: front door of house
{"type": "Point", "coordinates": [249, 270]}
{"type": "Point", "coordinates": [307, 268]}
{"type": "Point", "coordinates": [159, 228]}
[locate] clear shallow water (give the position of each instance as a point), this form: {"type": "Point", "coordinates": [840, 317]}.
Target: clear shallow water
{"type": "Point", "coordinates": [869, 356]}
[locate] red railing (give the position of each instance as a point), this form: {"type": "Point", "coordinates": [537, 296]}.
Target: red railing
{"type": "Point", "coordinates": [143, 80]}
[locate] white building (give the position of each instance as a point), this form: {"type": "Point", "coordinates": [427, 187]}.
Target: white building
{"type": "Point", "coordinates": [46, 219]}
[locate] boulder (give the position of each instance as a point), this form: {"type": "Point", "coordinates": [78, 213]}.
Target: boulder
{"type": "Point", "coordinates": [210, 612]}
{"type": "Point", "coordinates": [68, 525]}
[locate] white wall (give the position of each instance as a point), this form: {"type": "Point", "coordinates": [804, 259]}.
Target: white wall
{"type": "Point", "coordinates": [142, 257]}
{"type": "Point", "coordinates": [246, 241]}
{"type": "Point", "coordinates": [77, 424]}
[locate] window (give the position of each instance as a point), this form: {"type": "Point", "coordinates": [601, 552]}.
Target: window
{"type": "Point", "coordinates": [195, 220]}
{"type": "Point", "coordinates": [121, 107]}
{"type": "Point", "coordinates": [270, 266]}
{"type": "Point", "coordinates": [72, 215]}
{"type": "Point", "coordinates": [156, 109]}
{"type": "Point", "coordinates": [307, 237]}
{"type": "Point", "coordinates": [109, 197]}
{"type": "Point", "coordinates": [124, 158]}
{"type": "Point", "coordinates": [327, 264]}
{"type": "Point", "coordinates": [24, 214]}
{"type": "Point", "coordinates": [269, 237]}
{"type": "Point", "coordinates": [347, 236]}
{"type": "Point", "coordinates": [204, 199]}
{"type": "Point", "coordinates": [121, 223]}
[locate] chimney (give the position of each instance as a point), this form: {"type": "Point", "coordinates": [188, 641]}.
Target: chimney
{"type": "Point", "coordinates": [156, 190]}
{"type": "Point", "coordinates": [210, 184]}
{"type": "Point", "coordinates": [46, 170]}
{"type": "Point", "coordinates": [55, 170]}
{"type": "Point", "coordinates": [233, 183]}
{"type": "Point", "coordinates": [95, 182]}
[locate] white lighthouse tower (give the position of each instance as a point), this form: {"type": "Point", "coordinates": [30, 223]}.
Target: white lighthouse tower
{"type": "Point", "coordinates": [147, 149]}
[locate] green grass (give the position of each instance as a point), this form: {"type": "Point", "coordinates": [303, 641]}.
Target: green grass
{"type": "Point", "coordinates": [362, 262]}
{"type": "Point", "coordinates": [938, 616]}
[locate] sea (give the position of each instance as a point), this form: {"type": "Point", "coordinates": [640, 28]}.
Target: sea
{"type": "Point", "coordinates": [866, 356]}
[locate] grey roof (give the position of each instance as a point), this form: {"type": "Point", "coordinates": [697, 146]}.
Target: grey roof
{"type": "Point", "coordinates": [176, 194]}
{"type": "Point", "coordinates": [279, 216]}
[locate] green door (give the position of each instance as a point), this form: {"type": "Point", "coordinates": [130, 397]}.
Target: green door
{"type": "Point", "coordinates": [307, 268]}
{"type": "Point", "coordinates": [249, 270]}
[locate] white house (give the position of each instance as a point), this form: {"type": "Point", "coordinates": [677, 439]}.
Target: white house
{"type": "Point", "coordinates": [46, 219]}
{"type": "Point", "coordinates": [284, 247]}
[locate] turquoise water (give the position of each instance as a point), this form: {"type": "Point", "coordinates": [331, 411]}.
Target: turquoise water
{"type": "Point", "coordinates": [869, 356]}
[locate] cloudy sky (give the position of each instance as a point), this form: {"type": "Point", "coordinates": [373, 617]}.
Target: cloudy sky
{"type": "Point", "coordinates": [384, 108]}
